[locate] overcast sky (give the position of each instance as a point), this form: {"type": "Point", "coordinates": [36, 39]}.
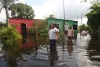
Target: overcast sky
{"type": "Point", "coordinates": [74, 9]}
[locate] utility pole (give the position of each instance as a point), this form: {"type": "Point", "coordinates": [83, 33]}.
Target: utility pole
{"type": "Point", "coordinates": [64, 16]}
{"type": "Point", "coordinates": [81, 25]}
{"type": "Point", "coordinates": [81, 19]}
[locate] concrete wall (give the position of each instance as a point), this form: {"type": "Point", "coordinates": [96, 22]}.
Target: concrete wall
{"type": "Point", "coordinates": [19, 21]}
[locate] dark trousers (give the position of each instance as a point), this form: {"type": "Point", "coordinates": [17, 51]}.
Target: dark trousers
{"type": "Point", "coordinates": [52, 43]}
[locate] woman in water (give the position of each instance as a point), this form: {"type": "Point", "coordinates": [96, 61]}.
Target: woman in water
{"type": "Point", "coordinates": [52, 35]}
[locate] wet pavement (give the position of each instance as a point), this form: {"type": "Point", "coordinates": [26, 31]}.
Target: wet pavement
{"type": "Point", "coordinates": [78, 53]}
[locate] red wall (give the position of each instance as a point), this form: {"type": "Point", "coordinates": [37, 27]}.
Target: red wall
{"type": "Point", "coordinates": [27, 45]}
{"type": "Point", "coordinates": [29, 23]}
{"type": "Point", "coordinates": [18, 21]}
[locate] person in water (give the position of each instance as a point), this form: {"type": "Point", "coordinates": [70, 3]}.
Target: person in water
{"type": "Point", "coordinates": [70, 47]}
{"type": "Point", "coordinates": [52, 35]}
{"type": "Point", "coordinates": [70, 33]}
{"type": "Point", "coordinates": [53, 56]}
{"type": "Point", "coordinates": [56, 27]}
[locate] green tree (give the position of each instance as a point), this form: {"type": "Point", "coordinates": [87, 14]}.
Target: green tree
{"type": "Point", "coordinates": [94, 16]}
{"type": "Point", "coordinates": [91, 1]}
{"type": "Point", "coordinates": [21, 11]}
{"type": "Point", "coordinates": [5, 4]}
{"type": "Point", "coordinates": [81, 27]}
{"type": "Point", "coordinates": [2, 24]}
{"type": "Point", "coordinates": [39, 28]}
{"type": "Point", "coordinates": [84, 27]}
{"type": "Point", "coordinates": [52, 16]}
{"type": "Point", "coordinates": [9, 35]}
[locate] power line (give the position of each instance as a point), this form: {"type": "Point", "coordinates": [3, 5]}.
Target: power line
{"type": "Point", "coordinates": [64, 10]}
{"type": "Point", "coordinates": [73, 6]}
{"type": "Point", "coordinates": [74, 9]}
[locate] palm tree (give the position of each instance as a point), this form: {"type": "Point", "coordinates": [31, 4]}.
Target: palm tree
{"type": "Point", "coordinates": [5, 4]}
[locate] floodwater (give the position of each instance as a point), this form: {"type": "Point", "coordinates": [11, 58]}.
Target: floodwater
{"type": "Point", "coordinates": [81, 52]}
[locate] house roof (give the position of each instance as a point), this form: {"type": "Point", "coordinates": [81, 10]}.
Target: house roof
{"type": "Point", "coordinates": [25, 18]}
{"type": "Point", "coordinates": [63, 20]}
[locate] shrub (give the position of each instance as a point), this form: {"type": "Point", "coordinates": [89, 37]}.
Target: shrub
{"type": "Point", "coordinates": [9, 35]}
{"type": "Point", "coordinates": [39, 28]}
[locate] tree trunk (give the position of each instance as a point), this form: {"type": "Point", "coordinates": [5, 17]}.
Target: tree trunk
{"type": "Point", "coordinates": [7, 16]}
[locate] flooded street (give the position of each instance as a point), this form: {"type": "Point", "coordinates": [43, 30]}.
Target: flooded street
{"type": "Point", "coordinates": [84, 53]}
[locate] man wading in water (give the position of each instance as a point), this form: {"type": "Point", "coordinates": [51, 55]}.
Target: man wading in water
{"type": "Point", "coordinates": [70, 34]}
{"type": "Point", "coordinates": [70, 37]}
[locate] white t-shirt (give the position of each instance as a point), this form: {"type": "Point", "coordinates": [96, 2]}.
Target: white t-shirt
{"type": "Point", "coordinates": [52, 33]}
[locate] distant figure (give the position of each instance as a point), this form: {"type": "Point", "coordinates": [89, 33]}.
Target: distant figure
{"type": "Point", "coordinates": [70, 47]}
{"type": "Point", "coordinates": [52, 35]}
{"type": "Point", "coordinates": [56, 27]}
{"type": "Point", "coordinates": [70, 33]}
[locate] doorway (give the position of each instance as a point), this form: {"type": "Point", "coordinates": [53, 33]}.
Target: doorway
{"type": "Point", "coordinates": [24, 32]}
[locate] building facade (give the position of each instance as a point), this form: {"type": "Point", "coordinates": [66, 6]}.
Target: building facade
{"type": "Point", "coordinates": [24, 24]}
{"type": "Point", "coordinates": [64, 24]}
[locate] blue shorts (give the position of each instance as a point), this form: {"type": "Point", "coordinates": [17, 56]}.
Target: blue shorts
{"type": "Point", "coordinates": [52, 43]}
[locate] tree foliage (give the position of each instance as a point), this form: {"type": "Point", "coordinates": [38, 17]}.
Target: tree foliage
{"type": "Point", "coordinates": [21, 10]}
{"type": "Point", "coordinates": [94, 16]}
{"type": "Point", "coordinates": [6, 4]}
{"type": "Point", "coordinates": [9, 35]}
{"type": "Point", "coordinates": [91, 1]}
{"type": "Point", "coordinates": [51, 16]}
{"type": "Point", "coordinates": [2, 24]}
{"type": "Point", "coordinates": [84, 27]}
{"type": "Point", "coordinates": [39, 28]}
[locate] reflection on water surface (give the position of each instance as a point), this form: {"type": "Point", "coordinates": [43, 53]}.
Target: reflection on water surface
{"type": "Point", "coordinates": [85, 52]}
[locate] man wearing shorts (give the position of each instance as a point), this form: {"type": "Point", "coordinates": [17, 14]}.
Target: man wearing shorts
{"type": "Point", "coordinates": [70, 34]}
